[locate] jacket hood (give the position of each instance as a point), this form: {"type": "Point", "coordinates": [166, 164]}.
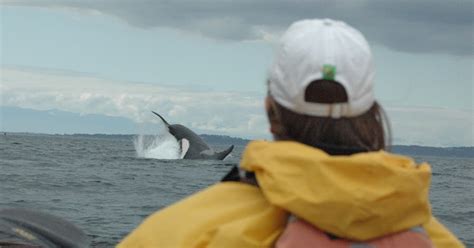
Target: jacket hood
{"type": "Point", "coordinates": [361, 196]}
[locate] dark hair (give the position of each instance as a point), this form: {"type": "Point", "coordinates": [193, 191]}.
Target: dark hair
{"type": "Point", "coordinates": [367, 132]}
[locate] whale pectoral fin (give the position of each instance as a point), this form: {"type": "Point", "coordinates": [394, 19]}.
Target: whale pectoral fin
{"type": "Point", "coordinates": [184, 146]}
{"type": "Point", "coordinates": [223, 154]}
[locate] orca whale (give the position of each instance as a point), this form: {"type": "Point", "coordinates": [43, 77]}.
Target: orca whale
{"type": "Point", "coordinates": [192, 145]}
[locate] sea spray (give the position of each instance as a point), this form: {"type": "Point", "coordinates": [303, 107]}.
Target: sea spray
{"type": "Point", "coordinates": [160, 146]}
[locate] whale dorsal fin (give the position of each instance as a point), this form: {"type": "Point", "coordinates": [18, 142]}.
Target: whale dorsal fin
{"type": "Point", "coordinates": [184, 145]}
{"type": "Point", "coordinates": [163, 119]}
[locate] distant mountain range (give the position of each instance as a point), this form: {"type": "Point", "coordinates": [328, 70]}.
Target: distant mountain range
{"type": "Point", "coordinates": [14, 119]}
{"type": "Point", "coordinates": [412, 150]}
{"type": "Point", "coordinates": [465, 152]}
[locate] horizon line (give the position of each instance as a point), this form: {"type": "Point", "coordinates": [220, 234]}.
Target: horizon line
{"type": "Point", "coordinates": [233, 137]}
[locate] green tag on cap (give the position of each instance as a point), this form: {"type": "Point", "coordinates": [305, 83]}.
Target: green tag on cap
{"type": "Point", "coordinates": [329, 72]}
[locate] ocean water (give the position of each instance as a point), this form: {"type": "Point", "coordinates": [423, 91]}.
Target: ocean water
{"type": "Point", "coordinates": [107, 186]}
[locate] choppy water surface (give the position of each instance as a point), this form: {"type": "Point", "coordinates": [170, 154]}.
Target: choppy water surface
{"type": "Point", "coordinates": [104, 187]}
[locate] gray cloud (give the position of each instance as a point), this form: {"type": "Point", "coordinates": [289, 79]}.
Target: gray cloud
{"type": "Point", "coordinates": [425, 26]}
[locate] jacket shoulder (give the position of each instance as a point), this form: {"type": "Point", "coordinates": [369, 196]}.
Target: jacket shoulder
{"type": "Point", "coordinates": [440, 235]}
{"type": "Point", "coordinates": [228, 213]}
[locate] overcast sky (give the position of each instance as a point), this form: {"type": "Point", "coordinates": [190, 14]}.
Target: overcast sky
{"type": "Point", "coordinates": [203, 63]}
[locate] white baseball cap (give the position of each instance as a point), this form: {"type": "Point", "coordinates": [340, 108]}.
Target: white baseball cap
{"type": "Point", "coordinates": [323, 49]}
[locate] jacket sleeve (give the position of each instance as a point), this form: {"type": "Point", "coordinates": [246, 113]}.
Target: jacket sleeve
{"type": "Point", "coordinates": [229, 214]}
{"type": "Point", "coordinates": [440, 235]}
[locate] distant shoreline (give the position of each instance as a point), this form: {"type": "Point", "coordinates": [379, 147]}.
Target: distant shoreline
{"type": "Point", "coordinates": [417, 150]}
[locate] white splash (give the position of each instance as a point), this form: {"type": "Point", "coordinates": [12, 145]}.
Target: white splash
{"type": "Point", "coordinates": [161, 146]}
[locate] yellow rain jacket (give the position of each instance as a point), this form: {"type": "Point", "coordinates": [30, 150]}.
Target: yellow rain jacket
{"type": "Point", "coordinates": [358, 197]}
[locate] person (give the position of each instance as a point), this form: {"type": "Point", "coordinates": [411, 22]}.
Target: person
{"type": "Point", "coordinates": [327, 180]}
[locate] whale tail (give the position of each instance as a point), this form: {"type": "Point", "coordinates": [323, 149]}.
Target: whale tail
{"type": "Point", "coordinates": [223, 154]}
{"type": "Point", "coordinates": [163, 119]}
